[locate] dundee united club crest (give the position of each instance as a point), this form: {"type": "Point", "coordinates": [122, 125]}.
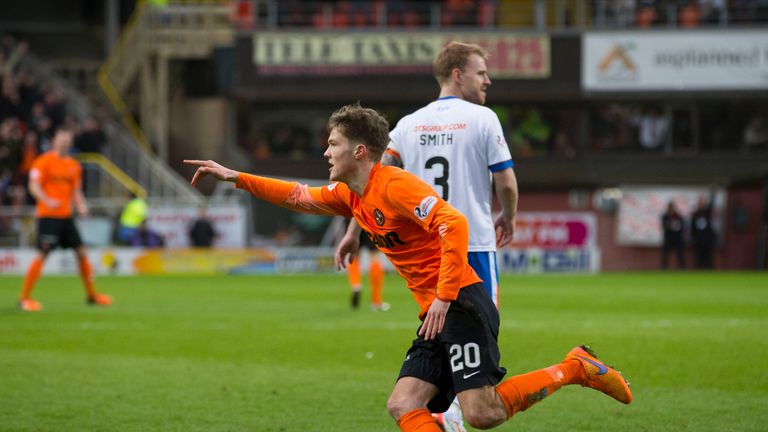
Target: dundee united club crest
{"type": "Point", "coordinates": [379, 217]}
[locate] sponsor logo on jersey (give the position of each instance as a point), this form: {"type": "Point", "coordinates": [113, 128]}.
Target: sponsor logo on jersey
{"type": "Point", "coordinates": [388, 240]}
{"type": "Point", "coordinates": [439, 128]}
{"type": "Point", "coordinates": [378, 216]}
{"type": "Point", "coordinates": [426, 206]}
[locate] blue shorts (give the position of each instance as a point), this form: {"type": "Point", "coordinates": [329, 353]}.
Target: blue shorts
{"type": "Point", "coordinates": [484, 264]}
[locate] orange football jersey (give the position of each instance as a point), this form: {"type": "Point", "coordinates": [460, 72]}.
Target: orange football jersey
{"type": "Point", "coordinates": [423, 236]}
{"type": "Point", "coordinates": [58, 177]}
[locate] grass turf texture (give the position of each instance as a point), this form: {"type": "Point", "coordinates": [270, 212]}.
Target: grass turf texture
{"type": "Point", "coordinates": [271, 353]}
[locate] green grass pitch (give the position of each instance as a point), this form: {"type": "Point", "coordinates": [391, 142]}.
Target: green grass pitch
{"type": "Point", "coordinates": [286, 353]}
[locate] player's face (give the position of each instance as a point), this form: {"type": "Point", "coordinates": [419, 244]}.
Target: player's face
{"type": "Point", "coordinates": [474, 80]}
{"type": "Point", "coordinates": [62, 141]}
{"type": "Point", "coordinates": [340, 155]}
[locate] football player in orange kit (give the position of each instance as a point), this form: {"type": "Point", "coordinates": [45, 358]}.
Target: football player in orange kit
{"type": "Point", "coordinates": [375, 275]}
{"type": "Point", "coordinates": [55, 182]}
{"type": "Point", "coordinates": [456, 352]}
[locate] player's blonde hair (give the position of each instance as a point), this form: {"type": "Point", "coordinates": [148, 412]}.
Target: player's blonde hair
{"type": "Point", "coordinates": [455, 55]}
{"type": "Point", "coordinates": [362, 125]}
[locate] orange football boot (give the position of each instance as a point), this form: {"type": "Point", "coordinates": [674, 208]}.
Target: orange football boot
{"type": "Point", "coordinates": [29, 305]}
{"type": "Point", "coordinates": [99, 300]}
{"type": "Point", "coordinates": [599, 376]}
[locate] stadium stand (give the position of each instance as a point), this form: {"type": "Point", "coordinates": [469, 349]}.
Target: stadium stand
{"type": "Point", "coordinates": [195, 60]}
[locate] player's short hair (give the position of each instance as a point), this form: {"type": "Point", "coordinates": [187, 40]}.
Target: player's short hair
{"type": "Point", "coordinates": [362, 125]}
{"type": "Point", "coordinates": [455, 55]}
{"type": "Point", "coordinates": [64, 128]}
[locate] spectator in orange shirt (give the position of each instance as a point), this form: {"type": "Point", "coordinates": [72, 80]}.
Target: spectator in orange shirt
{"type": "Point", "coordinates": [55, 183]}
{"type": "Point", "coordinates": [456, 352]}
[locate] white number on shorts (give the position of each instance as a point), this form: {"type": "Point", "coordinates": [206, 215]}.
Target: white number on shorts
{"type": "Point", "coordinates": [471, 354]}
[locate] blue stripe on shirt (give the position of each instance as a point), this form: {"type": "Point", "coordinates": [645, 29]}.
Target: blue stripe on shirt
{"type": "Point", "coordinates": [501, 166]}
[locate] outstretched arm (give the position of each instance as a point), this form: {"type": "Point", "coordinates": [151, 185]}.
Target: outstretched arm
{"type": "Point", "coordinates": [292, 195]}
{"type": "Point", "coordinates": [207, 167]}
{"type": "Point", "coordinates": [506, 191]}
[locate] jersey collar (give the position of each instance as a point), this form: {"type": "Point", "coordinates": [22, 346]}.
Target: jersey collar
{"type": "Point", "coordinates": [447, 97]}
{"type": "Point", "coordinates": [370, 177]}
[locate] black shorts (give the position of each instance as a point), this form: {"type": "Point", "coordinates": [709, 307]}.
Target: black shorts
{"type": "Point", "coordinates": [57, 232]}
{"type": "Point", "coordinates": [465, 355]}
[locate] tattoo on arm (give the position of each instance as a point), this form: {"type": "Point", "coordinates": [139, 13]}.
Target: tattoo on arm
{"type": "Point", "coordinates": [391, 160]}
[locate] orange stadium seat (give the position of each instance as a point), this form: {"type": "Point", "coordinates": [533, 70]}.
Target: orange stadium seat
{"type": "Point", "coordinates": [689, 16]}
{"type": "Point", "coordinates": [646, 16]}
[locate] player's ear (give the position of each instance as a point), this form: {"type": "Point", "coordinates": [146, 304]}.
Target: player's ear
{"type": "Point", "coordinates": [456, 74]}
{"type": "Point", "coordinates": [360, 151]}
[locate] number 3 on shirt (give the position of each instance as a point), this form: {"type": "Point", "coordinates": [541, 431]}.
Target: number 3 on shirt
{"type": "Point", "coordinates": [440, 181]}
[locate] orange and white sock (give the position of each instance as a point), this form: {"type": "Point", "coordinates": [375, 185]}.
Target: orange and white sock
{"type": "Point", "coordinates": [520, 392]}
{"type": "Point", "coordinates": [418, 420]}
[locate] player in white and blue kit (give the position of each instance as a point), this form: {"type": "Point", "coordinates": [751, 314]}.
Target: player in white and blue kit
{"type": "Point", "coordinates": [457, 145]}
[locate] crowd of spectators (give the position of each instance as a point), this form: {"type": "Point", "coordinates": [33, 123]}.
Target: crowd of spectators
{"type": "Point", "coordinates": [397, 13]}
{"type": "Point", "coordinates": [678, 129]}
{"type": "Point", "coordinates": [531, 131]}
{"type": "Point", "coordinates": [30, 111]}
{"type": "Point", "coordinates": [499, 13]}
{"type": "Point", "coordinates": [541, 130]}
{"type": "Point", "coordinates": [270, 133]}
{"type": "Point", "coordinates": [689, 13]}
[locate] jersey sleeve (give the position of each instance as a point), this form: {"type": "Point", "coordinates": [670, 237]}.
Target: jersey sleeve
{"type": "Point", "coordinates": [419, 202]}
{"type": "Point", "coordinates": [333, 199]}
{"type": "Point", "coordinates": [397, 138]}
{"type": "Point", "coordinates": [37, 171]}
{"type": "Point", "coordinates": [496, 148]}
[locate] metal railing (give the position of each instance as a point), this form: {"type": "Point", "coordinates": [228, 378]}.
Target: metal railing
{"type": "Point", "coordinates": [154, 175]}
{"type": "Point", "coordinates": [102, 178]}
{"type": "Point", "coordinates": [151, 38]}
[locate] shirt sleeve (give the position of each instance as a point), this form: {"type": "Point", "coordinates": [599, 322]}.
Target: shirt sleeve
{"type": "Point", "coordinates": [496, 148]}
{"type": "Point", "coordinates": [37, 170]}
{"type": "Point", "coordinates": [419, 202]}
{"type": "Point", "coordinates": [329, 200]}
{"type": "Point", "coordinates": [395, 139]}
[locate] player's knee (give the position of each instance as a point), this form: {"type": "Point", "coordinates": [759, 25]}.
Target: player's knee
{"type": "Point", "coordinates": [398, 405]}
{"type": "Point", "coordinates": [481, 417]}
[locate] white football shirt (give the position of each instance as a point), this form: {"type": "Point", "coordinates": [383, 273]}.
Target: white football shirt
{"type": "Point", "coordinates": [455, 145]}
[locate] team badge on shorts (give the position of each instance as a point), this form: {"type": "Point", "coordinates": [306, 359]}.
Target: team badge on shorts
{"type": "Point", "coordinates": [379, 217]}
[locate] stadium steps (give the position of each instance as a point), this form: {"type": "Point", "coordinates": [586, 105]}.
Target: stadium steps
{"type": "Point", "coordinates": [138, 65]}
{"type": "Point", "coordinates": [154, 175]}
